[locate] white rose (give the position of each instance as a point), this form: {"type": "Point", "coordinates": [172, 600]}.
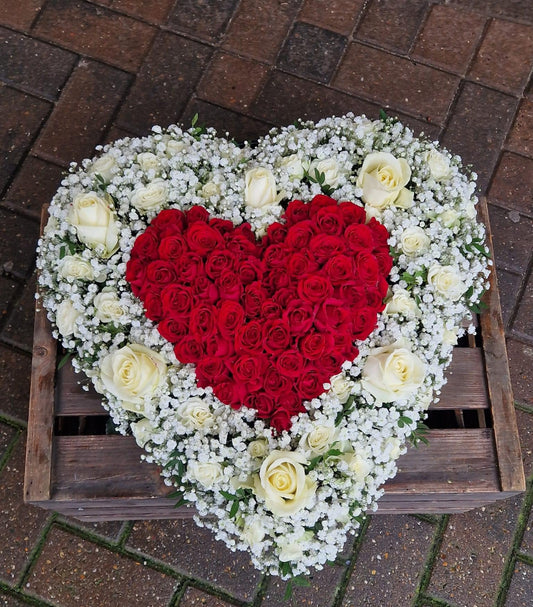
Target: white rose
{"type": "Point", "coordinates": [450, 336]}
{"type": "Point", "coordinates": [358, 465]}
{"type": "Point", "coordinates": [175, 147]}
{"type": "Point", "coordinates": [150, 197]}
{"type": "Point", "coordinates": [341, 386]}
{"type": "Point", "coordinates": [283, 484]}
{"type": "Point", "coordinates": [402, 303]}
{"type": "Point", "coordinates": [291, 551]}
{"type": "Point", "coordinates": [330, 168]}
{"type": "Point", "coordinates": [258, 448]}
{"type": "Point", "coordinates": [74, 267]}
{"type": "Point", "coordinates": [260, 188]}
{"type": "Point", "coordinates": [196, 414]}
{"type": "Point", "coordinates": [66, 316]}
{"type": "Point", "coordinates": [414, 240]}
{"type": "Point", "coordinates": [108, 307]}
{"type": "Point", "coordinates": [253, 533]}
{"type": "Point", "coordinates": [147, 161]}
{"type": "Point", "coordinates": [439, 165]}
{"type": "Point", "coordinates": [449, 218]}
{"type": "Point", "coordinates": [104, 166]}
{"type": "Point", "coordinates": [95, 222]}
{"type": "Point", "coordinates": [393, 446]}
{"type": "Point", "coordinates": [132, 374]}
{"type": "Point", "coordinates": [206, 474]}
{"type": "Point", "coordinates": [383, 178]}
{"type": "Point", "coordinates": [293, 165]}
{"type": "Point", "coordinates": [143, 431]}
{"type": "Point", "coordinates": [210, 189]}
{"type": "Point", "coordinates": [470, 210]}
{"type": "Point", "coordinates": [446, 281]}
{"type": "Point", "coordinates": [319, 439]}
{"type": "Point", "coordinates": [392, 373]}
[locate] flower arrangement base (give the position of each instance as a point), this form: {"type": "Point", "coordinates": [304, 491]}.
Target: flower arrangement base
{"type": "Point", "coordinates": [472, 458]}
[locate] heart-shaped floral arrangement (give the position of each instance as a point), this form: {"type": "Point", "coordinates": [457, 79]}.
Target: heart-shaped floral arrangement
{"type": "Point", "coordinates": [315, 282]}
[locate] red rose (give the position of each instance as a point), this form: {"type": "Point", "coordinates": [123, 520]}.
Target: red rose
{"type": "Point", "coordinates": [220, 261]}
{"type": "Point", "coordinates": [299, 316]}
{"type": "Point", "coordinates": [260, 401]}
{"type": "Point", "coordinates": [202, 321]}
{"type": "Point", "coordinates": [329, 220]}
{"type": "Point", "coordinates": [290, 363]}
{"type": "Point", "coordinates": [242, 241]}
{"type": "Point", "coordinates": [331, 315]}
{"type": "Point", "coordinates": [310, 384]}
{"type": "Point", "coordinates": [320, 201]}
{"type": "Point", "coordinates": [315, 288]}
{"type": "Point", "coordinates": [197, 214]}
{"type": "Point", "coordinates": [276, 336]}
{"type": "Point", "coordinates": [339, 269]}
{"type": "Point", "coordinates": [249, 369]}
{"type": "Point", "coordinates": [229, 285]}
{"type": "Point", "coordinates": [281, 420]}
{"type": "Point", "coordinates": [299, 264]}
{"type": "Point", "coordinates": [216, 345]}
{"type": "Point", "coordinates": [202, 238]}
{"type": "Point", "coordinates": [191, 266]}
{"type": "Point", "coordinates": [291, 402]}
{"type": "Point", "coordinates": [299, 235]}
{"type": "Point", "coordinates": [254, 297]}
{"type": "Point", "coordinates": [169, 218]}
{"type": "Point", "coordinates": [250, 270]}
{"type": "Point", "coordinates": [352, 213]}
{"type": "Point", "coordinates": [271, 310]}
{"type": "Point", "coordinates": [173, 329]}
{"type": "Point", "coordinates": [275, 256]}
{"type": "Point", "coordinates": [283, 296]}
{"type": "Point", "coordinates": [177, 300]}
{"type": "Point", "coordinates": [374, 299]}
{"type": "Point", "coordinates": [315, 344]}
{"type": "Point", "coordinates": [367, 267]}
{"type": "Point", "coordinates": [249, 337]}
{"type": "Point", "coordinates": [152, 305]}
{"type": "Point", "coordinates": [188, 350]}
{"type": "Point", "coordinates": [330, 364]}
{"type": "Point", "coordinates": [379, 232]}
{"type": "Point", "coordinates": [353, 293]}
{"type": "Point", "coordinates": [205, 289]}
{"type": "Point", "coordinates": [359, 237]}
{"type": "Point", "coordinates": [275, 384]}
{"type": "Point", "coordinates": [276, 233]}
{"type": "Point", "coordinates": [230, 317]}
{"type": "Point", "coordinates": [160, 273]}
{"type": "Point", "coordinates": [136, 275]}
{"type": "Point", "coordinates": [222, 226]}
{"type": "Point", "coordinates": [364, 321]}
{"type": "Point", "coordinates": [230, 392]}
{"type": "Point", "coordinates": [296, 211]}
{"type": "Point", "coordinates": [145, 246]}
{"type": "Point", "coordinates": [276, 280]}
{"type": "Point", "coordinates": [384, 260]}
{"type": "Point", "coordinates": [172, 247]}
{"type": "Point", "coordinates": [323, 246]}
{"type": "Point", "coordinates": [211, 370]}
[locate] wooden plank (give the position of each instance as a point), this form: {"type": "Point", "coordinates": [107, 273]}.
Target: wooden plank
{"type": "Point", "coordinates": [73, 399]}
{"type": "Point", "coordinates": [437, 504]}
{"type": "Point", "coordinates": [467, 384]}
{"type": "Point", "coordinates": [37, 475]}
{"type": "Point", "coordinates": [499, 381]}
{"type": "Point", "coordinates": [456, 461]}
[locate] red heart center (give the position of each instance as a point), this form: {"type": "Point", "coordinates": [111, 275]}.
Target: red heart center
{"type": "Point", "coordinates": [267, 322]}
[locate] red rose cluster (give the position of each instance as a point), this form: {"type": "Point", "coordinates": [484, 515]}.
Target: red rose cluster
{"type": "Point", "coordinates": [267, 323]}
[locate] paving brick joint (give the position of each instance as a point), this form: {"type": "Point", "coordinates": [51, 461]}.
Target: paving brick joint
{"type": "Point", "coordinates": [77, 73]}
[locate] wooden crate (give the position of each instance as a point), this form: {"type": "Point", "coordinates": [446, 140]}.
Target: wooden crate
{"type": "Point", "coordinates": [473, 457]}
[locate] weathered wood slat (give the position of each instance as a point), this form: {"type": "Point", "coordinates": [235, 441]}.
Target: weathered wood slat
{"type": "Point", "coordinates": [499, 381]}
{"type": "Point", "coordinates": [74, 399]}
{"type": "Point", "coordinates": [41, 407]}
{"type": "Point", "coordinates": [467, 386]}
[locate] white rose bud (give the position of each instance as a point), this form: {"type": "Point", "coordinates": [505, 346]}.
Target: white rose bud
{"type": "Point", "coordinates": [449, 218]}
{"type": "Point", "coordinates": [446, 281]}
{"type": "Point", "coordinates": [283, 484]}
{"type": "Point", "coordinates": [253, 533]}
{"type": "Point", "coordinates": [330, 168]}
{"type": "Point", "coordinates": [341, 386]}
{"type": "Point", "coordinates": [291, 551]}
{"type": "Point", "coordinates": [320, 438]}
{"type": "Point", "coordinates": [210, 189]}
{"type": "Point", "coordinates": [66, 316]}
{"type": "Point", "coordinates": [383, 178]}
{"type": "Point", "coordinates": [392, 373]}
{"type": "Point", "coordinates": [196, 414]}
{"type": "Point", "coordinates": [175, 147]}
{"type": "Point", "coordinates": [150, 197]}
{"type": "Point", "coordinates": [148, 161]}
{"type": "Point", "coordinates": [74, 267]}
{"type": "Point", "coordinates": [358, 465]}
{"type": "Point", "coordinates": [95, 222]}
{"type": "Point", "coordinates": [132, 374]}
{"type": "Point", "coordinates": [470, 210]}
{"type": "Point", "coordinates": [108, 307]}
{"type": "Point", "coordinates": [393, 446]}
{"type": "Point", "coordinates": [143, 431]}
{"type": "Point", "coordinates": [402, 303]}
{"type": "Point", "coordinates": [439, 165]}
{"type": "Point", "coordinates": [104, 166]}
{"type": "Point", "coordinates": [414, 241]}
{"type": "Point", "coordinates": [293, 165]}
{"type": "Point", "coordinates": [258, 448]}
{"type": "Point", "coordinates": [260, 188]}
{"type": "Point", "coordinates": [206, 474]}
{"type": "Point", "coordinates": [450, 336]}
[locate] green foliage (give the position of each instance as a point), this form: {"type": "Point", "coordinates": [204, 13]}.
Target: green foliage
{"type": "Point", "coordinates": [412, 280]}
{"type": "Point", "coordinates": [197, 131]}
{"type": "Point", "coordinates": [67, 248]}
{"type": "Point", "coordinates": [236, 498]}
{"type": "Point", "coordinates": [64, 360]}
{"type": "Point", "coordinates": [404, 420]}
{"type": "Point", "coordinates": [315, 461]}
{"type": "Point", "coordinates": [320, 178]}
{"type": "Point", "coordinates": [297, 580]}
{"type": "Point", "coordinates": [347, 408]}
{"type": "Point", "coordinates": [419, 435]}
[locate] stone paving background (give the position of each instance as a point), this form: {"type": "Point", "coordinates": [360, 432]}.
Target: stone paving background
{"type": "Point", "coordinates": [75, 73]}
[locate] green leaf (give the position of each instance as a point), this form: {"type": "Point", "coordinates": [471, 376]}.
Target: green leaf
{"type": "Point", "coordinates": [181, 502]}
{"type": "Point", "coordinates": [287, 596]}
{"type": "Point", "coordinates": [194, 119]}
{"type": "Point", "coordinates": [383, 114]}
{"type": "Point", "coordinates": [234, 508]}
{"type": "Point", "coordinates": [229, 496]}
{"type": "Point", "coordinates": [64, 360]}
{"type": "Point", "coordinates": [300, 580]}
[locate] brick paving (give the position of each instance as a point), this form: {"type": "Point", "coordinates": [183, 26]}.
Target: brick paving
{"type": "Point", "coordinates": [76, 73]}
